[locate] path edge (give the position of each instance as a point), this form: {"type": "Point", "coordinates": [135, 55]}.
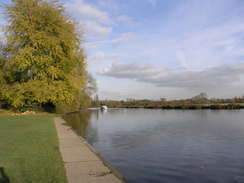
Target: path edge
{"type": "Point", "coordinates": [104, 161]}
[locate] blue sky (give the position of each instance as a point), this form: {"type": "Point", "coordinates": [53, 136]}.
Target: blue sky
{"type": "Point", "coordinates": [169, 49]}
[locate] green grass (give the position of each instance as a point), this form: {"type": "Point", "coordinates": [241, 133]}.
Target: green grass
{"type": "Point", "coordinates": [241, 104]}
{"type": "Point", "coordinates": [29, 150]}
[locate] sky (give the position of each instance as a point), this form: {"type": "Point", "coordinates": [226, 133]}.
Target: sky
{"type": "Point", "coordinates": [152, 49]}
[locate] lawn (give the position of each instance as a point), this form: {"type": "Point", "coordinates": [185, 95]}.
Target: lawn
{"type": "Point", "coordinates": [29, 150]}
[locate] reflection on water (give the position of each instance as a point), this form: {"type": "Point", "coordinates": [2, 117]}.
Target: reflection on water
{"type": "Point", "coordinates": [168, 145]}
{"type": "Point", "coordinates": [81, 123]}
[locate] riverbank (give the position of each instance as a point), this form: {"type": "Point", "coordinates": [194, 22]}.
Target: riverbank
{"type": "Point", "coordinates": [82, 162]}
{"type": "Point", "coordinates": [176, 105]}
{"type": "Point", "coordinates": [192, 107]}
{"type": "Point", "coordinates": [30, 150]}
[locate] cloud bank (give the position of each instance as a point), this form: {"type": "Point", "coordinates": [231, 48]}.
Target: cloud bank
{"type": "Point", "coordinates": [210, 78]}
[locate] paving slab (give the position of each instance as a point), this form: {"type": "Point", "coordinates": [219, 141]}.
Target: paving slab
{"type": "Point", "coordinates": [74, 154]}
{"type": "Point", "coordinates": [96, 171]}
{"type": "Point", "coordinates": [64, 142]}
{"type": "Point", "coordinates": [81, 162]}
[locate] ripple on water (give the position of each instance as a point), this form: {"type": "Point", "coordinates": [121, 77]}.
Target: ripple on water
{"type": "Point", "coordinates": [175, 146]}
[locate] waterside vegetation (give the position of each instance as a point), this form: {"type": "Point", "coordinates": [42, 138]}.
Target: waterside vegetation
{"type": "Point", "coordinates": [197, 102]}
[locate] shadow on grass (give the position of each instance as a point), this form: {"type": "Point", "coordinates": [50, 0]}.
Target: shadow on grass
{"type": "Point", "coordinates": [4, 178]}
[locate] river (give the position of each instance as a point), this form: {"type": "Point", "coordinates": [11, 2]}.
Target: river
{"type": "Point", "coordinates": [173, 146]}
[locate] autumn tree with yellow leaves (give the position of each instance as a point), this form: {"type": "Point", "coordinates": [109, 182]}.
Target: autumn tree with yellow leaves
{"type": "Point", "coordinates": [43, 65]}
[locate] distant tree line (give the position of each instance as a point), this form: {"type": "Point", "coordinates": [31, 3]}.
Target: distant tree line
{"type": "Point", "coordinates": [200, 101]}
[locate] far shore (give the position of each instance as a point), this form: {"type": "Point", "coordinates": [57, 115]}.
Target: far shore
{"type": "Point", "coordinates": [177, 106]}
{"type": "Point", "coordinates": [191, 107]}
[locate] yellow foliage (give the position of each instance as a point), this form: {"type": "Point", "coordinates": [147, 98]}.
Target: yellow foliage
{"type": "Point", "coordinates": [43, 62]}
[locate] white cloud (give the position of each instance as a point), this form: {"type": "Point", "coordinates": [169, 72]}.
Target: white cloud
{"type": "Point", "coordinates": [126, 21]}
{"type": "Point", "coordinates": [94, 30]}
{"type": "Point", "coordinates": [109, 4]}
{"type": "Point", "coordinates": [101, 55]}
{"type": "Point", "coordinates": [87, 11]}
{"type": "Point", "coordinates": [125, 37]}
{"type": "Point", "coordinates": [131, 70]}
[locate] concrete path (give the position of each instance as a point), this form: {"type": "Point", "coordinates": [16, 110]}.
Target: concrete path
{"type": "Point", "coordinates": [81, 163]}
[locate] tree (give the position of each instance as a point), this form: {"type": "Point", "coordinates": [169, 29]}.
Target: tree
{"type": "Point", "coordinates": [43, 63]}
{"type": "Point", "coordinates": [91, 86]}
{"type": "Point", "coordinates": [200, 99]}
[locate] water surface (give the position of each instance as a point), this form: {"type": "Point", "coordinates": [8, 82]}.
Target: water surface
{"type": "Point", "coordinates": [150, 146]}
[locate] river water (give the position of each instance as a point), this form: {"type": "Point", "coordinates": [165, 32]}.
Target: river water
{"type": "Point", "coordinates": [174, 146]}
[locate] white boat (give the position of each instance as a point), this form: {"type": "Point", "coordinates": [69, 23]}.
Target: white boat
{"type": "Point", "coordinates": [104, 107]}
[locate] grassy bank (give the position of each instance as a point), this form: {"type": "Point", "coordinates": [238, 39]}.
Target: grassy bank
{"type": "Point", "coordinates": [29, 150]}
